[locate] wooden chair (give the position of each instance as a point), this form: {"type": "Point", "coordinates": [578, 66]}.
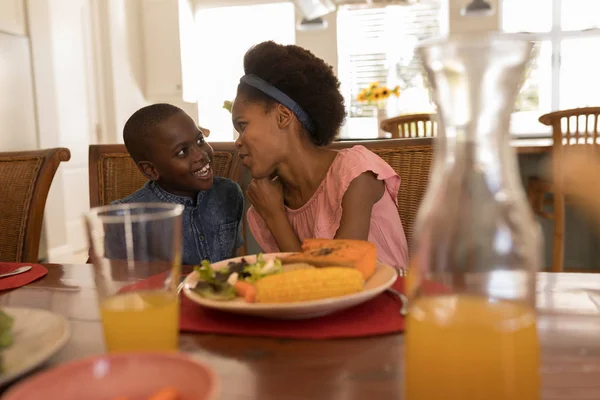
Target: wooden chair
{"type": "Point", "coordinates": [114, 175]}
{"type": "Point", "coordinates": [412, 160]}
{"type": "Point", "coordinates": [411, 126]}
{"type": "Point", "coordinates": [570, 128]}
{"type": "Point", "coordinates": [25, 179]}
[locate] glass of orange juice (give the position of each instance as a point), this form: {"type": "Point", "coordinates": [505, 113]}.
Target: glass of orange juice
{"type": "Point", "coordinates": [471, 324]}
{"type": "Point", "coordinates": [136, 254]}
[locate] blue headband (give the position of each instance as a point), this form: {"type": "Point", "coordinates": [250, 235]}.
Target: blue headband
{"type": "Point", "coordinates": [277, 95]}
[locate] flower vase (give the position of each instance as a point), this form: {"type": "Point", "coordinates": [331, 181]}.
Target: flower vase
{"type": "Point", "coordinates": [381, 116]}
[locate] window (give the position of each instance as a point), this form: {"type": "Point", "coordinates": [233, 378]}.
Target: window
{"type": "Point", "coordinates": [564, 75]}
{"type": "Point", "coordinates": [225, 34]}
{"type": "Point", "coordinates": [377, 44]}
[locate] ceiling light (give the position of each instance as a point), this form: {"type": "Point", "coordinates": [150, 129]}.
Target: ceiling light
{"type": "Point", "coordinates": [313, 9]}
{"type": "Point", "coordinates": [477, 8]}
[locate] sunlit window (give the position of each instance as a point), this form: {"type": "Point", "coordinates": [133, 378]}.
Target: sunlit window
{"type": "Point", "coordinates": [377, 44]}
{"type": "Point", "coordinates": [565, 73]}
{"type": "Point", "coordinates": [225, 34]}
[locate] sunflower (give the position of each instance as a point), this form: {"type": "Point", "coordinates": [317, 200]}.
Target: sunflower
{"type": "Point", "coordinates": [376, 93]}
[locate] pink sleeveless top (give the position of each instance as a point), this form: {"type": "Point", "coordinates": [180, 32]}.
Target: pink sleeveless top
{"type": "Point", "coordinates": [321, 215]}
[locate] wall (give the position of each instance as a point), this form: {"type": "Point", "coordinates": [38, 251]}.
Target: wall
{"type": "Point", "coordinates": [66, 105]}
{"type": "Point", "coordinates": [469, 24]}
{"type": "Point", "coordinates": [18, 129]}
{"type": "Point", "coordinates": [45, 91]}
{"type": "Point", "coordinates": [120, 30]}
{"type": "Point", "coordinates": [122, 63]}
{"type": "Point", "coordinates": [322, 43]}
{"type": "Point", "coordinates": [12, 17]}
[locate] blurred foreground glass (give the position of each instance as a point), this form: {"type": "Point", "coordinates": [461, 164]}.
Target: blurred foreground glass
{"type": "Point", "coordinates": [129, 243]}
{"type": "Point", "coordinates": [471, 327]}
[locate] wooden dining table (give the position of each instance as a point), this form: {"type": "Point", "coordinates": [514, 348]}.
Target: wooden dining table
{"type": "Point", "coordinates": [346, 369]}
{"type": "Point", "coordinates": [532, 145]}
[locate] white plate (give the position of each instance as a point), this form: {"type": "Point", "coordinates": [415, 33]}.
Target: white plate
{"type": "Point", "coordinates": [37, 336]}
{"type": "Point", "coordinates": [383, 278]}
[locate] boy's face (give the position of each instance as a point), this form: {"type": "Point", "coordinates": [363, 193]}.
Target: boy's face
{"type": "Point", "coordinates": [179, 158]}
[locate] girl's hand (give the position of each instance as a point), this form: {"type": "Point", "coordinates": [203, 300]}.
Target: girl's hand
{"type": "Point", "coordinates": [266, 195]}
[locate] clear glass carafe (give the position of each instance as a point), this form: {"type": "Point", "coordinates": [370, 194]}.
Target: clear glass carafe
{"type": "Point", "coordinates": [471, 327]}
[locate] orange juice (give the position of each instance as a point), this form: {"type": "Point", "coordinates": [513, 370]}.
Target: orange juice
{"type": "Point", "coordinates": [471, 348]}
{"type": "Point", "coordinates": [141, 321]}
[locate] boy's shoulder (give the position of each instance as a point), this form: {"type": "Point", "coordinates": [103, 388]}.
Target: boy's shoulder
{"type": "Point", "coordinates": [227, 194]}
{"type": "Point", "coordinates": [143, 195]}
{"type": "Point", "coordinates": [223, 190]}
{"type": "Point", "coordinates": [226, 186]}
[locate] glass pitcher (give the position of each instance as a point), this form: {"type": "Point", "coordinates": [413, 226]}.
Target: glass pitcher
{"type": "Point", "coordinates": [471, 328]}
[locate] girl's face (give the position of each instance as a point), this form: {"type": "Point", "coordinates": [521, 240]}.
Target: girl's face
{"type": "Point", "coordinates": [261, 142]}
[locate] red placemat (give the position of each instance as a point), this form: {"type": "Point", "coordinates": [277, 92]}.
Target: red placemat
{"type": "Point", "coordinates": [12, 282]}
{"type": "Point", "coordinates": [378, 316]}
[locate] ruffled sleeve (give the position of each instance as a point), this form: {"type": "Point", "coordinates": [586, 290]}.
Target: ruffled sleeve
{"type": "Point", "coordinates": [348, 166]}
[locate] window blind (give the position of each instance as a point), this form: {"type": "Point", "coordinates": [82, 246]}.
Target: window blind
{"type": "Point", "coordinates": [376, 43]}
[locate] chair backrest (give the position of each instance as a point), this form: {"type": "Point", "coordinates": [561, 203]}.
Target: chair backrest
{"type": "Point", "coordinates": [577, 127]}
{"type": "Point", "coordinates": [412, 160]}
{"type": "Point", "coordinates": [25, 179]}
{"type": "Point", "coordinates": [411, 126]}
{"type": "Point", "coordinates": [574, 127]}
{"type": "Point", "coordinates": [114, 175]}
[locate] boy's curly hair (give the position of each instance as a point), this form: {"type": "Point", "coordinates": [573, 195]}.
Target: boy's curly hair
{"type": "Point", "coordinates": [305, 78]}
{"type": "Point", "coordinates": [137, 132]}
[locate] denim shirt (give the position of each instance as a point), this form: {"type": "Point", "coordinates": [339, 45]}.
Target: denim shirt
{"type": "Point", "coordinates": [212, 225]}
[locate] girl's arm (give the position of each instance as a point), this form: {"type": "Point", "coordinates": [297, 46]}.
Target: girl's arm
{"type": "Point", "coordinates": [364, 191]}
{"type": "Point", "coordinates": [282, 231]}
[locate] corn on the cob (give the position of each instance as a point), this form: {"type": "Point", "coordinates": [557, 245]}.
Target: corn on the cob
{"type": "Point", "coordinates": [308, 284]}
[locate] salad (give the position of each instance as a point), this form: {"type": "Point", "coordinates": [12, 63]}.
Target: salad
{"type": "Point", "coordinates": [234, 280]}
{"type": "Point", "coordinates": [6, 324]}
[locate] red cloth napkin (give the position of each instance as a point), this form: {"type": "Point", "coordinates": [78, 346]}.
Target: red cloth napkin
{"type": "Point", "coordinates": [378, 316]}
{"type": "Point", "coordinates": [12, 282]}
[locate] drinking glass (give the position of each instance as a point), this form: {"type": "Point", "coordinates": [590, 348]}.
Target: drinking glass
{"type": "Point", "coordinates": [136, 254]}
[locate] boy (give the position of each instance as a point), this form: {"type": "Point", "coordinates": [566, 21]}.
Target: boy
{"type": "Point", "coordinates": [171, 152]}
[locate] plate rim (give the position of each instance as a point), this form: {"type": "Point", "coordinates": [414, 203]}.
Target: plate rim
{"type": "Point", "coordinates": [43, 357]}
{"type": "Point", "coordinates": [212, 392]}
{"type": "Point", "coordinates": [295, 306]}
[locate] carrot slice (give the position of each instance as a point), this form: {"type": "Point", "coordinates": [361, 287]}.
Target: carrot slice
{"type": "Point", "coordinates": [246, 290]}
{"type": "Point", "coordinates": [166, 394]}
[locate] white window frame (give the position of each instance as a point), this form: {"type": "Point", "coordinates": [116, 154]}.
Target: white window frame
{"type": "Point", "coordinates": [211, 115]}
{"type": "Point", "coordinates": [356, 126]}
{"type": "Point", "coordinates": [555, 37]}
